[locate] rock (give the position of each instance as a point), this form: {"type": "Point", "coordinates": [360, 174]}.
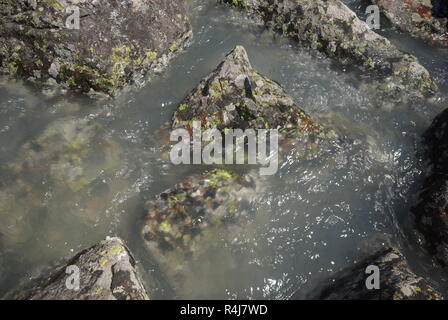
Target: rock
{"type": "Point", "coordinates": [187, 223]}
{"type": "Point", "coordinates": [70, 160]}
{"type": "Point", "coordinates": [107, 272]}
{"type": "Point", "coordinates": [431, 210]}
{"type": "Point", "coordinates": [397, 281]}
{"type": "Point", "coordinates": [439, 8]}
{"type": "Point", "coordinates": [420, 18]}
{"type": "Point", "coordinates": [117, 44]}
{"type": "Point", "coordinates": [235, 96]}
{"type": "Point", "coordinates": [331, 27]}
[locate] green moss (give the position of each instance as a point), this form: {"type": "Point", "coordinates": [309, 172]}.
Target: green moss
{"type": "Point", "coordinates": [151, 55]}
{"type": "Point", "coordinates": [114, 250]}
{"type": "Point", "coordinates": [165, 227]}
{"type": "Point", "coordinates": [78, 185]}
{"type": "Point", "coordinates": [55, 5]}
{"type": "Point", "coordinates": [103, 262]}
{"type": "Point", "coordinates": [173, 47]}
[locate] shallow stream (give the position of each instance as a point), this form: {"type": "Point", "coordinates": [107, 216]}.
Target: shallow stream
{"type": "Point", "coordinates": [319, 216]}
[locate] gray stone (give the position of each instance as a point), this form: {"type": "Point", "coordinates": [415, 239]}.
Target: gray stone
{"type": "Point", "coordinates": [397, 281]}
{"type": "Point", "coordinates": [430, 212]}
{"type": "Point", "coordinates": [118, 42]}
{"type": "Point", "coordinates": [107, 272]}
{"type": "Point", "coordinates": [331, 27]}
{"type": "Point", "coordinates": [417, 18]}
{"type": "Point", "coordinates": [235, 96]}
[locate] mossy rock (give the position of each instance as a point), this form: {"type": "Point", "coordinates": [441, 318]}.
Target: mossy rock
{"type": "Point", "coordinates": [107, 271]}
{"type": "Point", "coordinates": [197, 216]}
{"type": "Point", "coordinates": [332, 28]}
{"type": "Point", "coordinates": [397, 281]}
{"type": "Point", "coordinates": [104, 55]}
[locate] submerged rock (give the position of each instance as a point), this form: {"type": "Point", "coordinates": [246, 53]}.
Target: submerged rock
{"type": "Point", "coordinates": [106, 272]}
{"type": "Point", "coordinates": [331, 27]}
{"type": "Point", "coordinates": [117, 43]}
{"type": "Point", "coordinates": [397, 281]}
{"type": "Point", "coordinates": [192, 220]}
{"type": "Point", "coordinates": [423, 19]}
{"type": "Point", "coordinates": [431, 213]}
{"type": "Point", "coordinates": [70, 162]}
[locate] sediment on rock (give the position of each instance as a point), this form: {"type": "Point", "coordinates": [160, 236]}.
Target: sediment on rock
{"type": "Point", "coordinates": [118, 42]}
{"type": "Point", "coordinates": [397, 281]}
{"type": "Point", "coordinates": [331, 27]}
{"type": "Point", "coordinates": [107, 272]}
{"type": "Point", "coordinates": [424, 19]}
{"type": "Point", "coordinates": [431, 210]}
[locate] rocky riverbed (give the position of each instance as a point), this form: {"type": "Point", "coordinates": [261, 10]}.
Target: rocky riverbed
{"type": "Point", "coordinates": [85, 119]}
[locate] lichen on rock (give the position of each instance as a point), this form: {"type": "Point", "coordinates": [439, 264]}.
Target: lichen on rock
{"type": "Point", "coordinates": [419, 18]}
{"type": "Point", "coordinates": [196, 217]}
{"type": "Point", "coordinates": [118, 42]}
{"type": "Point", "coordinates": [331, 27]}
{"type": "Point", "coordinates": [397, 281]}
{"type": "Point", "coordinates": [107, 271]}
{"type": "Point", "coordinates": [235, 96]}
{"type": "Point", "coordinates": [430, 212]}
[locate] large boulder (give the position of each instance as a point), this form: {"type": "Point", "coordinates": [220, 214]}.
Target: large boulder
{"type": "Point", "coordinates": [425, 19]}
{"type": "Point", "coordinates": [431, 212]}
{"type": "Point", "coordinates": [235, 96]}
{"type": "Point", "coordinates": [397, 281]}
{"type": "Point", "coordinates": [117, 44]}
{"type": "Point", "coordinates": [331, 27]}
{"type": "Point", "coordinates": [106, 272]}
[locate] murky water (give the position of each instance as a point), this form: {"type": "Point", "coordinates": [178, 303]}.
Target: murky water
{"type": "Point", "coordinates": [317, 216]}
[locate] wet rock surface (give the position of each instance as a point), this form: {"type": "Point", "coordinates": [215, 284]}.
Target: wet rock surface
{"type": "Point", "coordinates": [331, 27]}
{"type": "Point", "coordinates": [107, 272]}
{"type": "Point", "coordinates": [430, 213]}
{"type": "Point", "coordinates": [423, 19]}
{"type": "Point", "coordinates": [397, 281]}
{"type": "Point", "coordinates": [117, 43]}
{"type": "Point", "coordinates": [235, 96]}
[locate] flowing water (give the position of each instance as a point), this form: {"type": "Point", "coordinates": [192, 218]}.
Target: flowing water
{"type": "Point", "coordinates": [319, 216]}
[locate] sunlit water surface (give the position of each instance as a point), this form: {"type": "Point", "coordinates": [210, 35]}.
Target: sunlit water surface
{"type": "Point", "coordinates": [323, 215]}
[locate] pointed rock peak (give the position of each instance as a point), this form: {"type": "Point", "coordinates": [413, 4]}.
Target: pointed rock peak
{"type": "Point", "coordinates": [235, 96]}
{"type": "Point", "coordinates": [236, 60]}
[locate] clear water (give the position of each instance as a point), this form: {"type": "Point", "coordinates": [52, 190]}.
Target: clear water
{"type": "Point", "coordinates": [322, 215]}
